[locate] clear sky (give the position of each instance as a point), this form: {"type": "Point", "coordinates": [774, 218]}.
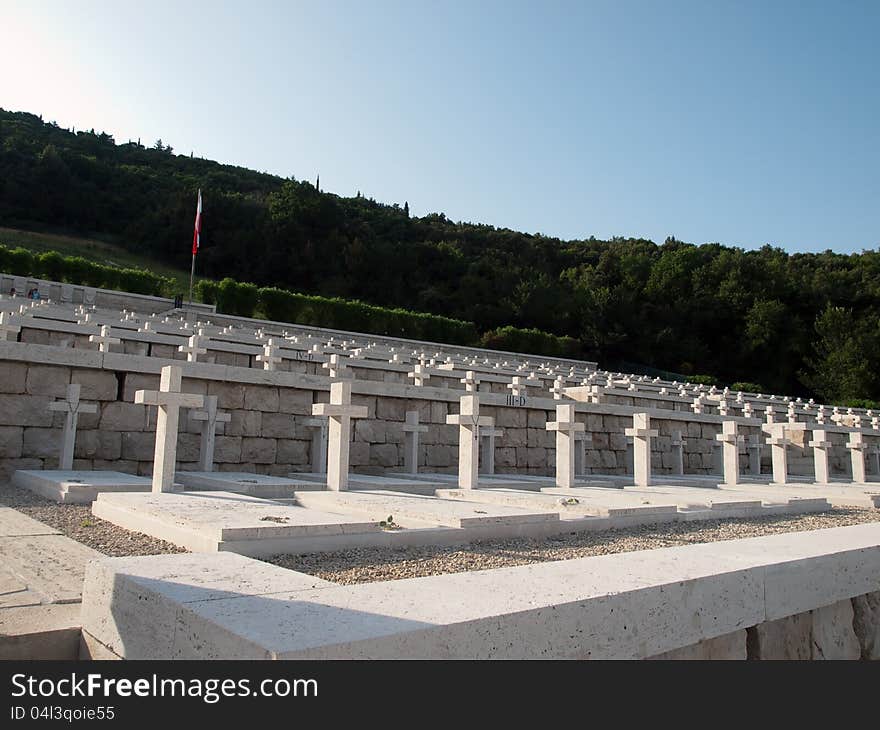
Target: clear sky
{"type": "Point", "coordinates": [739, 122]}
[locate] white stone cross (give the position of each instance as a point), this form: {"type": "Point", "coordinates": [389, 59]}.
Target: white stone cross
{"type": "Point", "coordinates": [471, 381]}
{"type": "Point", "coordinates": [209, 417]}
{"type": "Point", "coordinates": [7, 328]}
{"type": "Point", "coordinates": [340, 411]}
{"type": "Point", "coordinates": [336, 367]}
{"type": "Point", "coordinates": [641, 433]}
{"type": "Point", "coordinates": [517, 386]}
{"type": "Point", "coordinates": [169, 400]}
{"type": "Point", "coordinates": [856, 448]}
{"type": "Point", "coordinates": [730, 441]}
{"type": "Point", "coordinates": [821, 447]}
{"type": "Point", "coordinates": [677, 443]}
{"type": "Point", "coordinates": [420, 374]}
{"type": "Point", "coordinates": [753, 449]}
{"type": "Point", "coordinates": [411, 429]}
{"type": "Point", "coordinates": [318, 450]}
{"type": "Point", "coordinates": [565, 426]}
{"type": "Point", "coordinates": [104, 340]}
{"type": "Point", "coordinates": [270, 357]}
{"type": "Point", "coordinates": [873, 453]}
{"type": "Point", "coordinates": [71, 406]}
{"type": "Point", "coordinates": [723, 408]}
{"type": "Point", "coordinates": [792, 415]}
{"type": "Point", "coordinates": [194, 347]}
{"type": "Point", "coordinates": [558, 388]}
{"type": "Point", "coordinates": [820, 415]}
{"type": "Point", "coordinates": [487, 448]}
{"type": "Point", "coordinates": [581, 438]}
{"type": "Point", "coordinates": [779, 441]}
{"type": "Point", "coordinates": [469, 422]}
{"type": "Point", "coordinates": [699, 402]}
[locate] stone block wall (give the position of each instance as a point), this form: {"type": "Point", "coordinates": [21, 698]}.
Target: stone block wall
{"type": "Point", "coordinates": [267, 434]}
{"type": "Point", "coordinates": [848, 629]}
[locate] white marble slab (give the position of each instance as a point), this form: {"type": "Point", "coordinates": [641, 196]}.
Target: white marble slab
{"type": "Point", "coordinates": [78, 487]}
{"type": "Point", "coordinates": [255, 485]}
{"type": "Point", "coordinates": [210, 521]}
{"type": "Point", "coordinates": [430, 510]}
{"type": "Point", "coordinates": [401, 483]}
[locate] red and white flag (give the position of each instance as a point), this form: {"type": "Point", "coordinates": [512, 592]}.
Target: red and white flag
{"type": "Point", "coordinates": [198, 228]}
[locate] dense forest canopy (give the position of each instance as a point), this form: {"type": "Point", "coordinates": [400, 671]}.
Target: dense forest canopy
{"type": "Point", "coordinates": [794, 323]}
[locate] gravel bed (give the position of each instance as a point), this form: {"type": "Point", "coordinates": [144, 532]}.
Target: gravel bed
{"type": "Point", "coordinates": [78, 523]}
{"type": "Point", "coordinates": [367, 565]}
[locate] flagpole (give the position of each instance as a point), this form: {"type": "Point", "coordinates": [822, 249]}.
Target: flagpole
{"type": "Point", "coordinates": [195, 247]}
{"type": "Point", "coordinates": [192, 273]}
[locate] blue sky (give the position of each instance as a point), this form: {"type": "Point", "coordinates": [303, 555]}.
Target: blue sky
{"type": "Point", "coordinates": [739, 122]}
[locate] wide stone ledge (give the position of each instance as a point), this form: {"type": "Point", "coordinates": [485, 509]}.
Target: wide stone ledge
{"type": "Point", "coordinates": [623, 606]}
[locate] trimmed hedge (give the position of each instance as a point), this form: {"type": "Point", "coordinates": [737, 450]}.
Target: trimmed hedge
{"type": "Point", "coordinates": [531, 341]}
{"type": "Point", "coordinates": [862, 403]}
{"type": "Point", "coordinates": [747, 387]}
{"type": "Point", "coordinates": [236, 298]}
{"type": "Point", "coordinates": [77, 270]}
{"type": "Point", "coordinates": [206, 291]}
{"type": "Point", "coordinates": [355, 316]}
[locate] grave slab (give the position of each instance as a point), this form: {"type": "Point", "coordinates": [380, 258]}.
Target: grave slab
{"type": "Point", "coordinates": [567, 505]}
{"type": "Point", "coordinates": [254, 485]}
{"type": "Point", "coordinates": [78, 487]}
{"type": "Point", "coordinates": [379, 505]}
{"type": "Point", "coordinates": [403, 483]}
{"type": "Point", "coordinates": [484, 481]}
{"type": "Point", "coordinates": [222, 521]}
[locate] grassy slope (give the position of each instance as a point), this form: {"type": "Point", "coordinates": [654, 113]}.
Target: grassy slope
{"type": "Point", "coordinates": [98, 251]}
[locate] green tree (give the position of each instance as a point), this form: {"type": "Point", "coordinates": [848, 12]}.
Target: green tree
{"type": "Point", "coordinates": [839, 368]}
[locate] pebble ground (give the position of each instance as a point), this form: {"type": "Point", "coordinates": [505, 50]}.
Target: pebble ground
{"type": "Point", "coordinates": [78, 523]}
{"type": "Point", "coordinates": [367, 565]}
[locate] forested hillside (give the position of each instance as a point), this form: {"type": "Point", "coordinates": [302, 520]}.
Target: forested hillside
{"type": "Point", "coordinates": [801, 323]}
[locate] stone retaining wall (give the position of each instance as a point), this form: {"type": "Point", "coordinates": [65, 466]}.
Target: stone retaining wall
{"type": "Point", "coordinates": [266, 433]}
